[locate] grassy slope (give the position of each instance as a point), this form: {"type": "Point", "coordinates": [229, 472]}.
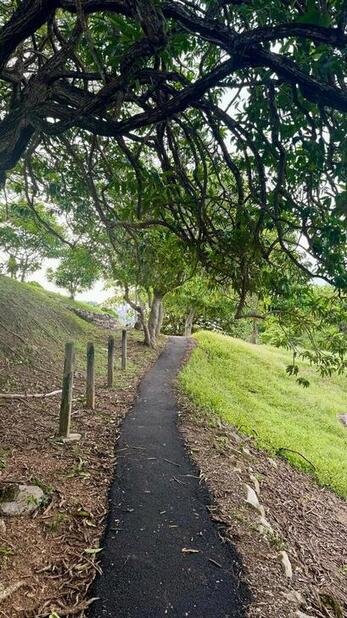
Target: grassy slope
{"type": "Point", "coordinates": [34, 326]}
{"type": "Point", "coordinates": [247, 386]}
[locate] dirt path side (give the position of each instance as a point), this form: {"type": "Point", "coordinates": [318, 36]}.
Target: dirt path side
{"type": "Point", "coordinates": [307, 522]}
{"type": "Point", "coordinates": [53, 554]}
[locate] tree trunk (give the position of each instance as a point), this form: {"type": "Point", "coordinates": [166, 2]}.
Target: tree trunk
{"type": "Point", "coordinates": [188, 326]}
{"type": "Point", "coordinates": [255, 332]}
{"type": "Point", "coordinates": [147, 339]}
{"type": "Point", "coordinates": [160, 320]}
{"type": "Point", "coordinates": [155, 317]}
{"type": "Point", "coordinates": [141, 316]}
{"type": "Point", "coordinates": [23, 274]}
{"type": "Point", "coordinates": [23, 269]}
{"type": "Point", "coordinates": [72, 291]}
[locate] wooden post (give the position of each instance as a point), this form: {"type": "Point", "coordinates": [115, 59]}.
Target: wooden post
{"type": "Point", "coordinates": [66, 397]}
{"type": "Point", "coordinates": [90, 386]}
{"type": "Point", "coordinates": [110, 363]}
{"type": "Point", "coordinates": [124, 349]}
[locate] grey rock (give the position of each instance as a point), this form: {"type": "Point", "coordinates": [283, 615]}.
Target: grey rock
{"type": "Point", "coordinates": [295, 597]}
{"type": "Point", "coordinates": [252, 500]}
{"type": "Point", "coordinates": [286, 565]}
{"type": "Point", "coordinates": [255, 483]}
{"type": "Point", "coordinates": [264, 526]}
{"type": "Point", "coordinates": [103, 320]}
{"type": "Point", "coordinates": [27, 500]}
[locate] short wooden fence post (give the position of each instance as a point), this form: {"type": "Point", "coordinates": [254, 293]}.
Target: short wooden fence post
{"type": "Point", "coordinates": [110, 361]}
{"type": "Point", "coordinates": [66, 397]}
{"type": "Point", "coordinates": [90, 385]}
{"type": "Point", "coordinates": [124, 349]}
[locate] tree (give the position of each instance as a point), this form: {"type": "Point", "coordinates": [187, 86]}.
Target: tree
{"type": "Point", "coordinates": [200, 302]}
{"type": "Point", "coordinates": [221, 122]}
{"type": "Point", "coordinates": [116, 42]}
{"type": "Point", "coordinates": [77, 271]}
{"type": "Point", "coordinates": [256, 88]}
{"type": "Point", "coordinates": [311, 322]}
{"type": "Point", "coordinates": [149, 266]}
{"type": "Point", "coordinates": [24, 240]}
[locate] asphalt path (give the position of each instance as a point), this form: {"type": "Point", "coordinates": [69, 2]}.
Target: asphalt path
{"type": "Point", "coordinates": [162, 553]}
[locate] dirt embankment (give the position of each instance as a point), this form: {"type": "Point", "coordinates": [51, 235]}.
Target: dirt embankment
{"type": "Point", "coordinates": [308, 523]}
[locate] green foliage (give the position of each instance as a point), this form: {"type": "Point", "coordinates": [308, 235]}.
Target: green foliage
{"type": "Point", "coordinates": [211, 306]}
{"type": "Point", "coordinates": [77, 271]}
{"type": "Point", "coordinates": [247, 386]}
{"type": "Point", "coordinates": [312, 322]}
{"type": "Point", "coordinates": [153, 260]}
{"type": "Point", "coordinates": [25, 238]}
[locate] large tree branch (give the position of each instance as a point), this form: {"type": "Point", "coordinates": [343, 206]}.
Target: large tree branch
{"type": "Point", "coordinates": [29, 16]}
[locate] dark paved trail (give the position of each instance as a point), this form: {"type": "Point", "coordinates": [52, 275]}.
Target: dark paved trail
{"type": "Point", "coordinates": [157, 508]}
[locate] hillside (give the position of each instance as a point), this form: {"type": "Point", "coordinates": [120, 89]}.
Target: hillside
{"type": "Point", "coordinates": [34, 326]}
{"type": "Point", "coordinates": [248, 387]}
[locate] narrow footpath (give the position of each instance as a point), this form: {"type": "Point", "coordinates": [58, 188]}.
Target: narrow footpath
{"type": "Point", "coordinates": [158, 516]}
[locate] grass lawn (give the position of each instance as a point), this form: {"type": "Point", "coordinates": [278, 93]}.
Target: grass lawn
{"type": "Point", "coordinates": [247, 386]}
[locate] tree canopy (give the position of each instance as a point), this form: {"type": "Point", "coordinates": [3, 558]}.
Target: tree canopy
{"type": "Point", "coordinates": [26, 239]}
{"type": "Point", "coordinates": [219, 122]}
{"type": "Point", "coordinates": [239, 104]}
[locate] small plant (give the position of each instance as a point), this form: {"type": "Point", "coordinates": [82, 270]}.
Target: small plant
{"type": "Point", "coordinates": [275, 540]}
{"type": "Point", "coordinates": [79, 470]}
{"type": "Point", "coordinates": [57, 522]}
{"type": "Point", "coordinates": [5, 551]}
{"type": "Point", "coordinates": [31, 500]}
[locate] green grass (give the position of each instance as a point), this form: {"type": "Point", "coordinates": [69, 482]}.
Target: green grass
{"type": "Point", "coordinates": [34, 326]}
{"type": "Point", "coordinates": [248, 387]}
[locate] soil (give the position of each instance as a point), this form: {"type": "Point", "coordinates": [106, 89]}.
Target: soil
{"type": "Point", "coordinates": [308, 522]}
{"type": "Point", "coordinates": [52, 555]}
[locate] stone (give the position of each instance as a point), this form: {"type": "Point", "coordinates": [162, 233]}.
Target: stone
{"type": "Point", "coordinates": [286, 565]}
{"type": "Point", "coordinates": [2, 526]}
{"type": "Point", "coordinates": [255, 483]}
{"type": "Point", "coordinates": [27, 500]}
{"type": "Point", "coordinates": [295, 597]}
{"type": "Point", "coordinates": [72, 437]}
{"type": "Point", "coordinates": [252, 499]}
{"type": "Point", "coordinates": [300, 614]}
{"type": "Point", "coordinates": [273, 462]}
{"type": "Point", "coordinates": [343, 419]}
{"type": "Point", "coordinates": [264, 526]}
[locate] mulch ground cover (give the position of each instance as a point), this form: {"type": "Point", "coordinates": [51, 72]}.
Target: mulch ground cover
{"type": "Point", "coordinates": [49, 559]}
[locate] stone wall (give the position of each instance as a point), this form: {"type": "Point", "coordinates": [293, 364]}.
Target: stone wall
{"type": "Point", "coordinates": [103, 320]}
